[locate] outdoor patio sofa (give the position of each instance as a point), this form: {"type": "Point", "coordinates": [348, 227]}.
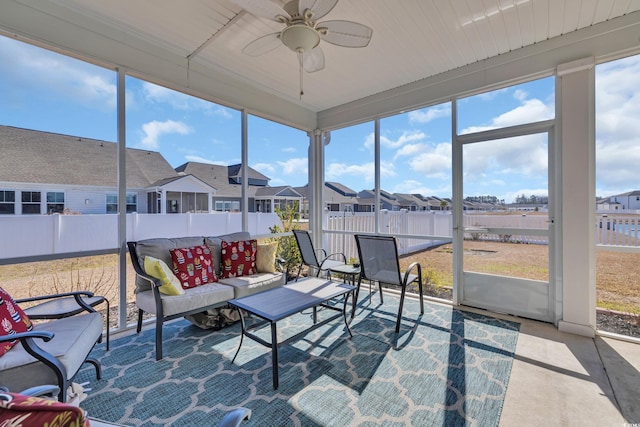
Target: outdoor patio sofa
{"type": "Point", "coordinates": [198, 299]}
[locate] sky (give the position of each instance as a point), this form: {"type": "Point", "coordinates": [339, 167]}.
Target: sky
{"type": "Point", "coordinates": [46, 91]}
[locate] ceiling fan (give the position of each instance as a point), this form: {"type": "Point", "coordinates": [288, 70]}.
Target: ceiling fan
{"type": "Point", "coordinates": [302, 32]}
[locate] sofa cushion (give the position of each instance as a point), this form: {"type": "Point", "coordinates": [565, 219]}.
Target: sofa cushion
{"type": "Point", "coordinates": [157, 268]}
{"type": "Point", "coordinates": [159, 248]}
{"type": "Point", "coordinates": [23, 410]}
{"type": "Point", "coordinates": [193, 298]}
{"type": "Point", "coordinates": [238, 258]}
{"type": "Point", "coordinates": [193, 266]}
{"type": "Point", "coordinates": [12, 320]}
{"type": "Point", "coordinates": [266, 257]}
{"type": "Point", "coordinates": [74, 337]}
{"type": "Point", "coordinates": [248, 285]}
{"type": "Point", "coordinates": [215, 244]}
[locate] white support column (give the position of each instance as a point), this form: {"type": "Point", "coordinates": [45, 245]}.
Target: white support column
{"type": "Point", "coordinates": [376, 173]}
{"type": "Point", "coordinates": [317, 141]}
{"type": "Point", "coordinates": [575, 112]}
{"type": "Point", "coordinates": [122, 199]}
{"type": "Point", "coordinates": [244, 154]}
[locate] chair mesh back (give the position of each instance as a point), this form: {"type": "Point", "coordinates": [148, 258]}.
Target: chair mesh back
{"type": "Point", "coordinates": [379, 258]}
{"type": "Point", "coordinates": [306, 248]}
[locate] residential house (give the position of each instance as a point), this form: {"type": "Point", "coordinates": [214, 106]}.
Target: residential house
{"type": "Point", "coordinates": [412, 202]}
{"type": "Point", "coordinates": [366, 201]}
{"type": "Point", "coordinates": [337, 198]}
{"type": "Point", "coordinates": [45, 172]}
{"type": "Point", "coordinates": [626, 201]}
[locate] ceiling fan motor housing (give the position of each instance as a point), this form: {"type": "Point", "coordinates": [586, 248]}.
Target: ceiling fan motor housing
{"type": "Point", "coordinates": [300, 37]}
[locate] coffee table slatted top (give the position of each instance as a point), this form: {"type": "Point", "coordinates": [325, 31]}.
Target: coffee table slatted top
{"type": "Point", "coordinates": [279, 303]}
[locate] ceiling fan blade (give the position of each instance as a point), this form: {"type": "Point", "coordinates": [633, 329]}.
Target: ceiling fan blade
{"type": "Point", "coordinates": [319, 7]}
{"type": "Point", "coordinates": [264, 8]}
{"type": "Point", "coordinates": [345, 33]}
{"type": "Point", "coordinates": [313, 60]}
{"type": "Point", "coordinates": [263, 45]}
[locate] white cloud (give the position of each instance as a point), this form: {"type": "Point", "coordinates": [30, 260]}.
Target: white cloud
{"type": "Point", "coordinates": [154, 130]}
{"type": "Point", "coordinates": [199, 159]}
{"type": "Point", "coordinates": [294, 166]}
{"type": "Point", "coordinates": [411, 150]}
{"type": "Point", "coordinates": [264, 168]}
{"type": "Point", "coordinates": [435, 162]}
{"type": "Point", "coordinates": [53, 75]}
{"type": "Point", "coordinates": [406, 137]}
{"type": "Point", "coordinates": [428, 114]}
{"type": "Point", "coordinates": [521, 156]}
{"type": "Point", "coordinates": [365, 171]}
{"type": "Point", "coordinates": [180, 101]}
{"type": "Point", "coordinates": [530, 110]}
{"type": "Point", "coordinates": [289, 150]}
{"type": "Point", "coordinates": [416, 187]}
{"type": "Point", "coordinates": [617, 115]}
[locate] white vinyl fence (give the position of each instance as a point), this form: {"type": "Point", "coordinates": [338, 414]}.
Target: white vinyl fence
{"type": "Point", "coordinates": [341, 226]}
{"type": "Point", "coordinates": [612, 230]}
{"type": "Point", "coordinates": [46, 235]}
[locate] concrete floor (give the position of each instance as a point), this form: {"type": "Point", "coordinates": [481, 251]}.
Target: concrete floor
{"type": "Point", "coordinates": [560, 379]}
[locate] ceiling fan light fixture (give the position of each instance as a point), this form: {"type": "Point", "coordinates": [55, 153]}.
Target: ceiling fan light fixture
{"type": "Point", "coordinates": [300, 38]}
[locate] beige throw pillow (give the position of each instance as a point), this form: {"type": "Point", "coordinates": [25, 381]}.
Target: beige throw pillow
{"type": "Point", "coordinates": [266, 257]}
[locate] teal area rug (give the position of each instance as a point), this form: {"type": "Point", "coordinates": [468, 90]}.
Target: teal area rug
{"type": "Point", "coordinates": [446, 368]}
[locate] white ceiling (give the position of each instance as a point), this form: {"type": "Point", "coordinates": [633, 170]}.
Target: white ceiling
{"type": "Point", "coordinates": [412, 40]}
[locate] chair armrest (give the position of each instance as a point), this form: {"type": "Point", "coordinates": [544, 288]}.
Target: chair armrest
{"type": "Point", "coordinates": [407, 273]}
{"type": "Point", "coordinates": [28, 343]}
{"type": "Point", "coordinates": [57, 306]}
{"type": "Point", "coordinates": [52, 296]}
{"type": "Point", "coordinates": [321, 252]}
{"type": "Point", "coordinates": [137, 267]}
{"type": "Point", "coordinates": [44, 335]}
{"type": "Point", "coordinates": [42, 390]}
{"type": "Point", "coordinates": [335, 254]}
{"type": "Point", "coordinates": [235, 417]}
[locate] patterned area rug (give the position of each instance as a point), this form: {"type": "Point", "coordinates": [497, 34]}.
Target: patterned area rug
{"type": "Point", "coordinates": [446, 368]}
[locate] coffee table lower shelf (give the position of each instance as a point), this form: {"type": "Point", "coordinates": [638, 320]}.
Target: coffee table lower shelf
{"type": "Point", "coordinates": [279, 303]}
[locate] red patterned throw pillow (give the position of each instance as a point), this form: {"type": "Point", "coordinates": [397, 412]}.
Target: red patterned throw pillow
{"type": "Point", "coordinates": [238, 258]}
{"type": "Point", "coordinates": [193, 266]}
{"type": "Point", "coordinates": [12, 320]}
{"type": "Point", "coordinates": [18, 409]}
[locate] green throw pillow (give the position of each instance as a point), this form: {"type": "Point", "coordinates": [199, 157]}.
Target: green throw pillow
{"type": "Point", "coordinates": [160, 270]}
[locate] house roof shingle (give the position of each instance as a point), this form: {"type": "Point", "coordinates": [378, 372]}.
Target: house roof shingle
{"type": "Point", "coordinates": [28, 156]}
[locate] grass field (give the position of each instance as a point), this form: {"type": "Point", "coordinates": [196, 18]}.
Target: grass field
{"type": "Point", "coordinates": [617, 274]}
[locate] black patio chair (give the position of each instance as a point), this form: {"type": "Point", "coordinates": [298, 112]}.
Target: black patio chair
{"type": "Point", "coordinates": [379, 262]}
{"type": "Point", "coordinates": [310, 258]}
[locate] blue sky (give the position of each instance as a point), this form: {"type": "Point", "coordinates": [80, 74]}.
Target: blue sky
{"type": "Point", "coordinates": [46, 91]}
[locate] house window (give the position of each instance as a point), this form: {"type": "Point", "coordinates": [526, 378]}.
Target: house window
{"type": "Point", "coordinates": [55, 202]}
{"type": "Point", "coordinates": [31, 202]}
{"type": "Point", "coordinates": [227, 206]}
{"type": "Point", "coordinates": [7, 202]}
{"type": "Point", "coordinates": [112, 203]}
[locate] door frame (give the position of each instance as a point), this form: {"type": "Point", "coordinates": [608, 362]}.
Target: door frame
{"type": "Point", "coordinates": [466, 286]}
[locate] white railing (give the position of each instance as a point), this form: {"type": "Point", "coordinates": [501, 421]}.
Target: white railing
{"type": "Point", "coordinates": [512, 223]}
{"type": "Point", "coordinates": [341, 226]}
{"type": "Point", "coordinates": [611, 230]}
{"type": "Point", "coordinates": [44, 235]}
{"type": "Point", "coordinates": [618, 230]}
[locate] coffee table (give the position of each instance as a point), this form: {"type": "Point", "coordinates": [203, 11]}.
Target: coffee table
{"type": "Point", "coordinates": [279, 303]}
